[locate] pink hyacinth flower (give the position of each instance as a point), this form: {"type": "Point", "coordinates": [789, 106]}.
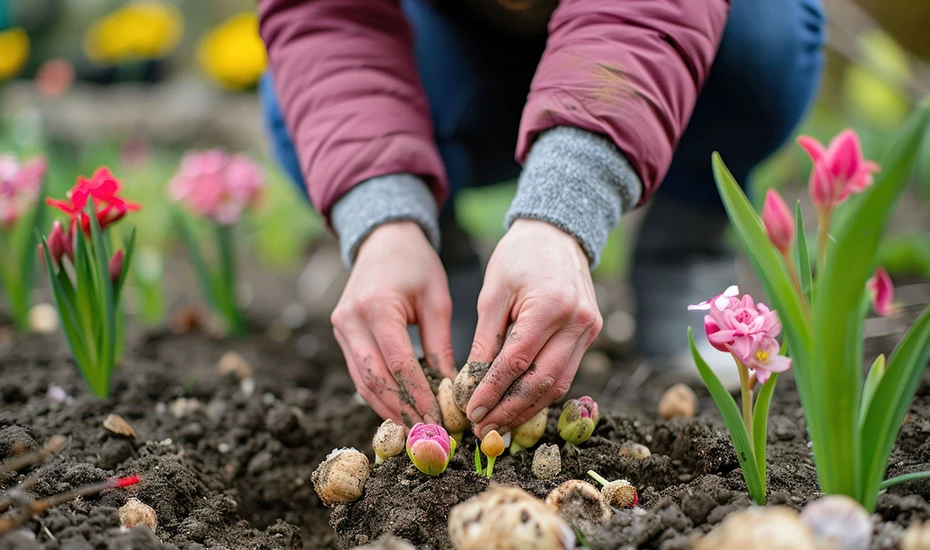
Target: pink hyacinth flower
{"type": "Point", "coordinates": [430, 448]}
{"type": "Point", "coordinates": [779, 221]}
{"type": "Point", "coordinates": [19, 187]}
{"type": "Point", "coordinates": [881, 291]}
{"type": "Point", "coordinates": [763, 357]}
{"type": "Point", "coordinates": [217, 185]}
{"type": "Point", "coordinates": [722, 299]}
{"type": "Point", "coordinates": [840, 169]}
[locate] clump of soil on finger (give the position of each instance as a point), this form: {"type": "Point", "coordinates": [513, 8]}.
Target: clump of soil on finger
{"type": "Point", "coordinates": [226, 460]}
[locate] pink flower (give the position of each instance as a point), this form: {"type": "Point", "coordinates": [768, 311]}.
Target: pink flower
{"type": "Point", "coordinates": [763, 357]}
{"type": "Point", "coordinates": [881, 291]}
{"type": "Point", "coordinates": [60, 243]}
{"type": "Point", "coordinates": [217, 185]}
{"type": "Point", "coordinates": [839, 169]}
{"type": "Point", "coordinates": [730, 326]}
{"type": "Point", "coordinates": [430, 448]}
{"type": "Point", "coordinates": [723, 299]}
{"type": "Point", "coordinates": [19, 187]}
{"type": "Point", "coordinates": [779, 222]}
{"type": "Point", "coordinates": [103, 189]}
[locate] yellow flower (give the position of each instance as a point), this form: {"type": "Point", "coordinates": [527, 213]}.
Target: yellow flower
{"type": "Point", "coordinates": [233, 53]}
{"type": "Point", "coordinates": [14, 43]}
{"type": "Point", "coordinates": [142, 30]}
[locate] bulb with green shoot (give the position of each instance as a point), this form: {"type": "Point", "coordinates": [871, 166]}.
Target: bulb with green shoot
{"type": "Point", "coordinates": [492, 446]}
{"type": "Point", "coordinates": [619, 493]}
{"type": "Point", "coordinates": [389, 440]}
{"type": "Point", "coordinates": [527, 434]}
{"type": "Point", "coordinates": [578, 419]}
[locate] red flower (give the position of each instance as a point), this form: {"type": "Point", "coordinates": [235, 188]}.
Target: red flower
{"type": "Point", "coordinates": [104, 189]}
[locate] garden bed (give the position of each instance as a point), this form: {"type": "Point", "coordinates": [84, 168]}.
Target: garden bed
{"type": "Point", "coordinates": [227, 462]}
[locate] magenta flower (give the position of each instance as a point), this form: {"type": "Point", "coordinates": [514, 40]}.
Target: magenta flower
{"type": "Point", "coordinates": [60, 242]}
{"type": "Point", "coordinates": [430, 448]}
{"type": "Point", "coordinates": [763, 357]}
{"type": "Point", "coordinates": [731, 326]}
{"type": "Point", "coordinates": [19, 187]}
{"type": "Point", "coordinates": [722, 299]}
{"type": "Point", "coordinates": [779, 222]}
{"type": "Point", "coordinates": [881, 291]}
{"type": "Point", "coordinates": [217, 185]}
{"type": "Point", "coordinates": [839, 169]}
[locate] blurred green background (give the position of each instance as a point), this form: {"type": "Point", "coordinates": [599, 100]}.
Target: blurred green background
{"type": "Point", "coordinates": [134, 84]}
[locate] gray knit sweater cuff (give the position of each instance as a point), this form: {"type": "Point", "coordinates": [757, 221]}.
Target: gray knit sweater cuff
{"type": "Point", "coordinates": [380, 200]}
{"type": "Point", "coordinates": [578, 181]}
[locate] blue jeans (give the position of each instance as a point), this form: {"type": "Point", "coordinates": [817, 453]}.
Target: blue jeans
{"type": "Point", "coordinates": [764, 77]}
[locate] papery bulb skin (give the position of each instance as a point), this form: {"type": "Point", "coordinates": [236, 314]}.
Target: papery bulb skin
{"type": "Point", "coordinates": [341, 477]}
{"type": "Point", "coordinates": [466, 381]}
{"type": "Point", "coordinates": [508, 518]}
{"type": "Point", "coordinates": [839, 522]}
{"type": "Point", "coordinates": [453, 419]}
{"type": "Point", "coordinates": [390, 440]}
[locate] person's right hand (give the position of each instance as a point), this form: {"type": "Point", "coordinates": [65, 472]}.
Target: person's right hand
{"type": "Point", "coordinates": [397, 280]}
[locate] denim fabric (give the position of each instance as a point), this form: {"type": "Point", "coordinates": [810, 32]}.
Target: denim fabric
{"type": "Point", "coordinates": [765, 75]}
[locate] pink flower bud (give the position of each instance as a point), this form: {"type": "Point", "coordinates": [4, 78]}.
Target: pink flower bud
{"type": "Point", "coordinates": [881, 291]}
{"type": "Point", "coordinates": [430, 448]}
{"type": "Point", "coordinates": [779, 222]}
{"type": "Point", "coordinates": [840, 169]}
{"type": "Point", "coordinates": [116, 266]}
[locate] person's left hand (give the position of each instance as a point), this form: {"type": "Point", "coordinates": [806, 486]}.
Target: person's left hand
{"type": "Point", "coordinates": [538, 278]}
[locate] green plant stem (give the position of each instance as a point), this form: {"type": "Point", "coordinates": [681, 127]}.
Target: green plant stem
{"type": "Point", "coordinates": [490, 469]}
{"type": "Point", "coordinates": [478, 467]}
{"type": "Point", "coordinates": [597, 477]}
{"type": "Point", "coordinates": [904, 479]}
{"type": "Point", "coordinates": [227, 276]}
{"type": "Point", "coordinates": [822, 237]}
{"type": "Point", "coordinates": [747, 398]}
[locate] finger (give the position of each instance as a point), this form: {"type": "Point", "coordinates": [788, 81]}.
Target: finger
{"type": "Point", "coordinates": [389, 328]}
{"type": "Point", "coordinates": [531, 392]}
{"type": "Point", "coordinates": [493, 320]}
{"type": "Point", "coordinates": [529, 335]}
{"type": "Point", "coordinates": [435, 319]}
{"type": "Point", "coordinates": [361, 381]}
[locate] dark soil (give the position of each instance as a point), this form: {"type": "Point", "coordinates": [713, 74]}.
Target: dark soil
{"type": "Point", "coordinates": [227, 463]}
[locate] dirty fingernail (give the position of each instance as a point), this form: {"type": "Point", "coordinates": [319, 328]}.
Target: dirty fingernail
{"type": "Point", "coordinates": [487, 429]}
{"type": "Point", "coordinates": [478, 414]}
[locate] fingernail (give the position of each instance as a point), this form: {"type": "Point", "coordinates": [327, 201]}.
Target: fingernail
{"type": "Point", "coordinates": [478, 414]}
{"type": "Point", "coordinates": [430, 419]}
{"type": "Point", "coordinates": [487, 429]}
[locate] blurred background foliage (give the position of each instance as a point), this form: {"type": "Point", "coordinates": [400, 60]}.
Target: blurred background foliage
{"type": "Point", "coordinates": [132, 84]}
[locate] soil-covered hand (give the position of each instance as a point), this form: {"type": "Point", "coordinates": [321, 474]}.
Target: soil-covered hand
{"type": "Point", "coordinates": [397, 280]}
{"type": "Point", "coordinates": [538, 278]}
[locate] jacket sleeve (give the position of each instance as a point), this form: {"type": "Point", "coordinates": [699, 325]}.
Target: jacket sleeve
{"type": "Point", "coordinates": [630, 70]}
{"type": "Point", "coordinates": [349, 89]}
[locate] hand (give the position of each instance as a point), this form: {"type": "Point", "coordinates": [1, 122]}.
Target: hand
{"type": "Point", "coordinates": [538, 278]}
{"type": "Point", "coordinates": [397, 280]}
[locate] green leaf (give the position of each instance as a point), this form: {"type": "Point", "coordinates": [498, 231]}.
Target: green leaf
{"type": "Point", "coordinates": [129, 247]}
{"type": "Point", "coordinates": [478, 467]}
{"type": "Point", "coordinates": [905, 478]}
{"type": "Point", "coordinates": [876, 372]}
{"type": "Point", "coordinates": [803, 258]}
{"type": "Point", "coordinates": [760, 416]}
{"type": "Point", "coordinates": [890, 402]}
{"type": "Point", "coordinates": [227, 278]}
{"type": "Point", "coordinates": [838, 318]}
{"type": "Point", "coordinates": [107, 352]}
{"type": "Point", "coordinates": [734, 423]}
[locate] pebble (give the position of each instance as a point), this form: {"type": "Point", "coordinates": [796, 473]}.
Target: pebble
{"type": "Point", "coordinates": [247, 386]}
{"type": "Point", "coordinates": [115, 424]}
{"type": "Point", "coordinates": [635, 450]}
{"type": "Point", "coordinates": [183, 406]}
{"type": "Point", "coordinates": [233, 362]}
{"type": "Point", "coordinates": [547, 462]}
{"type": "Point", "coordinates": [135, 512]}
{"type": "Point", "coordinates": [223, 448]}
{"type": "Point", "coordinates": [679, 401]}
{"type": "Point", "coordinates": [57, 394]}
{"type": "Point", "coordinates": [43, 318]}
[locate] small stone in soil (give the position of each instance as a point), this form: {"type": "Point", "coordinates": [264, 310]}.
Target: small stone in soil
{"type": "Point", "coordinates": [43, 318]}
{"type": "Point", "coordinates": [635, 450]}
{"type": "Point", "coordinates": [116, 425]}
{"type": "Point", "coordinates": [233, 362]}
{"type": "Point", "coordinates": [135, 512]}
{"type": "Point", "coordinates": [679, 401]}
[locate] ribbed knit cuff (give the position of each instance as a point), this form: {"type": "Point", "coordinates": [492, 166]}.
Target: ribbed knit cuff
{"type": "Point", "coordinates": [380, 200]}
{"type": "Point", "coordinates": [578, 181]}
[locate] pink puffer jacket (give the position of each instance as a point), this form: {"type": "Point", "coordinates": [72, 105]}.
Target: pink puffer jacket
{"type": "Point", "coordinates": [351, 97]}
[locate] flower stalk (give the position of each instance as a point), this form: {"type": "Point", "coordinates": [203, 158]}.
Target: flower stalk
{"type": "Point", "coordinates": [218, 187]}
{"type": "Point", "coordinates": [88, 276]}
